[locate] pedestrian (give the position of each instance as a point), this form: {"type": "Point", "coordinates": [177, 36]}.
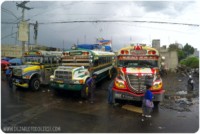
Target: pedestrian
{"type": "Point", "coordinates": [190, 82]}
{"type": "Point", "coordinates": [7, 72]}
{"type": "Point", "coordinates": [10, 79]}
{"type": "Point", "coordinates": [110, 95]}
{"type": "Point", "coordinates": [9, 75]}
{"type": "Point", "coordinates": [147, 103]}
{"type": "Point", "coordinates": [91, 83]}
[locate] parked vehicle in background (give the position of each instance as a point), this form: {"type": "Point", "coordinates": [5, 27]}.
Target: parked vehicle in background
{"type": "Point", "coordinates": [138, 65]}
{"type": "Point", "coordinates": [15, 61]}
{"type": "Point", "coordinates": [78, 65]}
{"type": "Point", "coordinates": [37, 68]}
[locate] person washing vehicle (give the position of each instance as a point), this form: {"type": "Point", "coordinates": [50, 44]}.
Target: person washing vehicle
{"type": "Point", "coordinates": [91, 83]}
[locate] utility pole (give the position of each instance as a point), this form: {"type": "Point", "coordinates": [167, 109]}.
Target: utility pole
{"type": "Point", "coordinates": [63, 45]}
{"type": "Point", "coordinates": [23, 6]}
{"type": "Point", "coordinates": [35, 25]}
{"type": "Point", "coordinates": [35, 32]}
{"type": "Point", "coordinates": [85, 38]}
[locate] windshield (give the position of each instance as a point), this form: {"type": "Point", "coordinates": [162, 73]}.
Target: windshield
{"type": "Point", "coordinates": [138, 63]}
{"type": "Point", "coordinates": [32, 59]}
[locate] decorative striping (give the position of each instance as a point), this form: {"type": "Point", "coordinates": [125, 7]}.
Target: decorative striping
{"type": "Point", "coordinates": [137, 84]}
{"type": "Point", "coordinates": [64, 75]}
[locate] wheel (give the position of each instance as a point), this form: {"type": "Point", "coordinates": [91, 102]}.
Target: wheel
{"type": "Point", "coordinates": [35, 84]}
{"type": "Point", "coordinates": [84, 92]}
{"type": "Point", "coordinates": [156, 103]}
{"type": "Point", "coordinates": [18, 87]}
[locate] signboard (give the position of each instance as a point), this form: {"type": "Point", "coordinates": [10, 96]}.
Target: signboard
{"type": "Point", "coordinates": [138, 52]}
{"type": "Point", "coordinates": [75, 53]}
{"type": "Point", "coordinates": [138, 58]}
{"type": "Point", "coordinates": [23, 31]}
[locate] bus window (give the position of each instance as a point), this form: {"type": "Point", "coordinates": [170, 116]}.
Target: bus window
{"type": "Point", "coordinates": [45, 60]}
{"type": "Point", "coordinates": [95, 63]}
{"type": "Point", "coordinates": [50, 60]}
{"type": "Point", "coordinates": [54, 60]}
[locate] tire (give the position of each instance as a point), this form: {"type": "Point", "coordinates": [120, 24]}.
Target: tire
{"type": "Point", "coordinates": [156, 104]}
{"type": "Point", "coordinates": [35, 84]}
{"type": "Point", "coordinates": [18, 87]}
{"type": "Point", "coordinates": [84, 92]}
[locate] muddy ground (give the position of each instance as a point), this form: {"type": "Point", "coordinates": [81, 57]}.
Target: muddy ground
{"type": "Point", "coordinates": [178, 96]}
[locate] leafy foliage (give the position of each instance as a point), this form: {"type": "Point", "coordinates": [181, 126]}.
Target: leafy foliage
{"type": "Point", "coordinates": [173, 47]}
{"type": "Point", "coordinates": [184, 52]}
{"type": "Point", "coordinates": [181, 55]}
{"type": "Point", "coordinates": [192, 62]}
{"type": "Point", "coordinates": [188, 49]}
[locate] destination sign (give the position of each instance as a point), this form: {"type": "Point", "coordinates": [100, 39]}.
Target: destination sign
{"type": "Point", "coordinates": [138, 58]}
{"type": "Point", "coordinates": [138, 52]}
{"type": "Point", "coordinates": [75, 53]}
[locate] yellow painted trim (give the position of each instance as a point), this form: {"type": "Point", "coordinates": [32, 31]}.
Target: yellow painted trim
{"type": "Point", "coordinates": [25, 85]}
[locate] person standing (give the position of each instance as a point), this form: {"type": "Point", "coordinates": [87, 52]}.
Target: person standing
{"type": "Point", "coordinates": [147, 103]}
{"type": "Point", "coordinates": [91, 83]}
{"type": "Point", "coordinates": [8, 72]}
{"type": "Point", "coordinates": [110, 95]}
{"type": "Point", "coordinates": [190, 83]}
{"type": "Point", "coordinates": [9, 76]}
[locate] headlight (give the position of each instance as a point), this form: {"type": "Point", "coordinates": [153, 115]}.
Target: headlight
{"type": "Point", "coordinates": [26, 77]}
{"type": "Point", "coordinates": [52, 77]}
{"type": "Point", "coordinates": [78, 81]}
{"type": "Point", "coordinates": [157, 85]}
{"type": "Point", "coordinates": [120, 84]}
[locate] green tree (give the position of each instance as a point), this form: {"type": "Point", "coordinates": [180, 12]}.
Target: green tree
{"type": "Point", "coordinates": [192, 62]}
{"type": "Point", "coordinates": [173, 47]}
{"type": "Point", "coordinates": [181, 55]}
{"type": "Point", "coordinates": [188, 49]}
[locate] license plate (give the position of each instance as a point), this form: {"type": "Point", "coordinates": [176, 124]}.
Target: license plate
{"type": "Point", "coordinates": [118, 95]}
{"type": "Point", "coordinates": [59, 81]}
{"type": "Point", "coordinates": [61, 85]}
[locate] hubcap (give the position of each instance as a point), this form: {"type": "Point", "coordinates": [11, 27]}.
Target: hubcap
{"type": "Point", "coordinates": [36, 84]}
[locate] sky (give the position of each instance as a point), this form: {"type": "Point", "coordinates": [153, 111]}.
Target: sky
{"type": "Point", "coordinates": [62, 34]}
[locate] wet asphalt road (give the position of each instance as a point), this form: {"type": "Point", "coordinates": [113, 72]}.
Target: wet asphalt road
{"type": "Point", "coordinates": [66, 111]}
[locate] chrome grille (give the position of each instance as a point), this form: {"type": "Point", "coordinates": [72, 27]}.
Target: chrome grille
{"type": "Point", "coordinates": [17, 72]}
{"type": "Point", "coordinates": [137, 84]}
{"type": "Point", "coordinates": [64, 75]}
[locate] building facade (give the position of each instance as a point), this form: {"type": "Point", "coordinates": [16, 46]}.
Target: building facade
{"type": "Point", "coordinates": [156, 44]}
{"type": "Point", "coordinates": [171, 57]}
{"type": "Point", "coordinates": [12, 50]}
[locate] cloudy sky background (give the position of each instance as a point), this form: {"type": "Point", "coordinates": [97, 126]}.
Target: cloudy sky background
{"type": "Point", "coordinates": [121, 33]}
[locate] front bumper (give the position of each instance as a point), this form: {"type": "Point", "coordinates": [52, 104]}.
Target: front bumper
{"type": "Point", "coordinates": [123, 95]}
{"type": "Point", "coordinates": [21, 83]}
{"type": "Point", "coordinates": [66, 86]}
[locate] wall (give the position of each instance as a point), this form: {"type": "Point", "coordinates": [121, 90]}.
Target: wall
{"type": "Point", "coordinates": [171, 59]}
{"type": "Point", "coordinates": [12, 50]}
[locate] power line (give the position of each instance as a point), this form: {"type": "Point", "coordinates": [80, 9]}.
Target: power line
{"type": "Point", "coordinates": [113, 21]}
{"type": "Point", "coordinates": [10, 12]}
{"type": "Point", "coordinates": [8, 35]}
